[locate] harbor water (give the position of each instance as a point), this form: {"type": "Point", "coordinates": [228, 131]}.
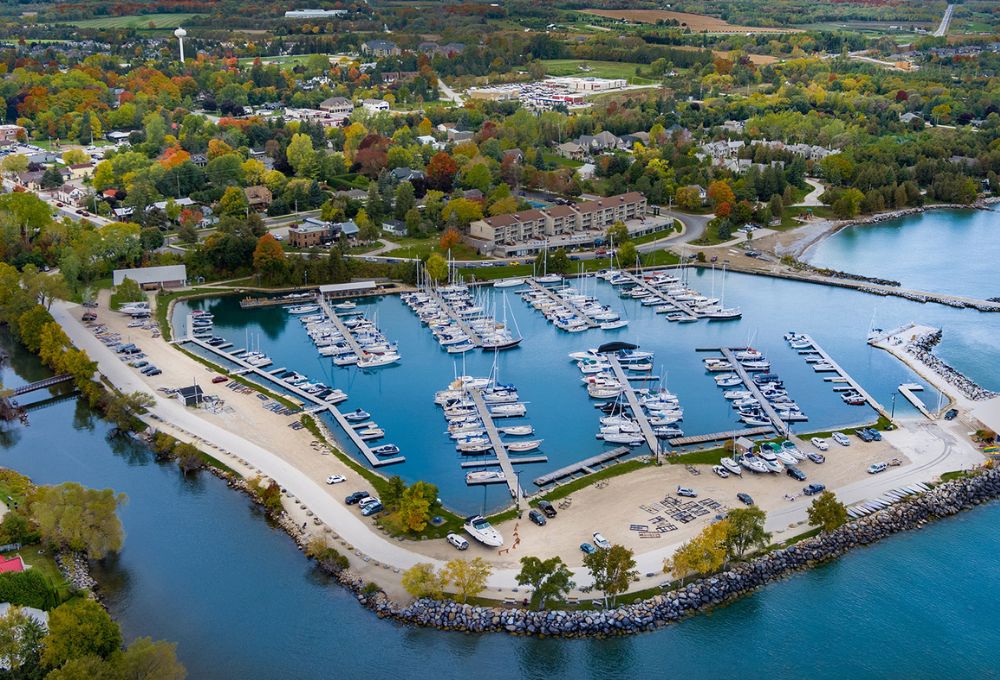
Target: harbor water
{"type": "Point", "coordinates": [400, 397]}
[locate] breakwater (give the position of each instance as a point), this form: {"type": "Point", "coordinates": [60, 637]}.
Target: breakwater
{"type": "Point", "coordinates": [922, 348]}
{"type": "Point", "coordinates": [743, 578]}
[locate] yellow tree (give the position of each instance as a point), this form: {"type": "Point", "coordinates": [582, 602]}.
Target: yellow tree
{"type": "Point", "coordinates": [436, 267]}
{"type": "Point", "coordinates": [269, 257]}
{"type": "Point", "coordinates": [421, 580]}
{"type": "Point", "coordinates": [703, 554]}
{"type": "Point", "coordinates": [468, 576]}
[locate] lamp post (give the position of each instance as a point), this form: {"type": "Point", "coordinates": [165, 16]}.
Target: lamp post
{"type": "Point", "coordinates": [892, 413]}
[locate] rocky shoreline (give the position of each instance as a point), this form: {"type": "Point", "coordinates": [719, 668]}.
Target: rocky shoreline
{"type": "Point", "coordinates": [943, 501]}
{"type": "Point", "coordinates": [922, 348]}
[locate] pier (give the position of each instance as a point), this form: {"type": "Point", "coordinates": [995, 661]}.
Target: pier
{"type": "Point", "coordinates": [41, 384]}
{"type": "Point", "coordinates": [493, 462]}
{"type": "Point", "coordinates": [640, 416]}
{"type": "Point", "coordinates": [341, 328]}
{"type": "Point", "coordinates": [567, 304]}
{"type": "Point", "coordinates": [780, 426]}
{"type": "Point", "coordinates": [585, 466]}
{"type": "Point", "coordinates": [907, 390]}
{"type": "Point", "coordinates": [721, 436]}
{"type": "Point", "coordinates": [457, 318]}
{"type": "Point", "coordinates": [841, 373]}
{"type": "Point", "coordinates": [318, 404]}
{"type": "Point", "coordinates": [498, 446]}
{"type": "Point", "coordinates": [663, 297]}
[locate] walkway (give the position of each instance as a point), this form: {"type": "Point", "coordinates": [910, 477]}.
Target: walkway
{"type": "Point", "coordinates": [666, 299]}
{"type": "Point", "coordinates": [563, 302]}
{"type": "Point", "coordinates": [811, 200]}
{"type": "Point", "coordinates": [640, 416]}
{"type": "Point", "coordinates": [356, 347]}
{"type": "Point", "coordinates": [847, 377]}
{"type": "Point", "coordinates": [498, 446]}
{"type": "Point", "coordinates": [454, 316]}
{"type": "Point", "coordinates": [942, 28]}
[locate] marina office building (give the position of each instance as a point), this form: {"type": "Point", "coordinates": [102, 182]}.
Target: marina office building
{"type": "Point", "coordinates": [576, 224]}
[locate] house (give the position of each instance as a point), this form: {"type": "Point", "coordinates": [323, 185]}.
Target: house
{"type": "Point", "coordinates": [909, 117]}
{"type": "Point", "coordinates": [259, 197]}
{"type": "Point", "coordinates": [170, 276]}
{"type": "Point", "coordinates": [571, 150]}
{"type": "Point", "coordinates": [514, 156]}
{"type": "Point", "coordinates": [347, 229]}
{"type": "Point", "coordinates": [407, 175]}
{"type": "Point", "coordinates": [602, 141]}
{"type": "Point", "coordinates": [734, 126]}
{"type": "Point", "coordinates": [394, 227]}
{"type": "Point", "coordinates": [40, 617]}
{"type": "Point", "coordinates": [30, 179]}
{"type": "Point", "coordinates": [10, 565]}
{"type": "Point", "coordinates": [459, 136]}
{"type": "Point", "coordinates": [744, 445]}
{"type": "Point", "coordinates": [586, 171]}
{"type": "Point", "coordinates": [429, 140]}
{"type": "Point", "coordinates": [199, 159]}
{"type": "Point", "coordinates": [375, 105]}
{"type": "Point", "coordinates": [341, 105]}
{"type": "Point", "coordinates": [380, 48]}
{"type": "Point", "coordinates": [117, 136]}
{"type": "Point", "coordinates": [72, 195]}
{"type": "Point", "coordinates": [474, 195]}
{"type": "Point", "coordinates": [310, 233]}
{"type": "Point", "coordinates": [123, 212]}
{"type": "Point", "coordinates": [80, 171]}
{"type": "Point", "coordinates": [12, 133]}
{"type": "Point", "coordinates": [184, 202]}
{"type": "Point", "coordinates": [191, 395]}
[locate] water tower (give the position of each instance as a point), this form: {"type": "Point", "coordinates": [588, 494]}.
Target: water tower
{"type": "Point", "coordinates": [180, 33]}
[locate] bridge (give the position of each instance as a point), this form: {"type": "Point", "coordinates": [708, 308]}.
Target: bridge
{"type": "Point", "coordinates": [41, 384]}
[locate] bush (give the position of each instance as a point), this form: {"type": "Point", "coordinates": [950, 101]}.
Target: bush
{"type": "Point", "coordinates": [29, 589]}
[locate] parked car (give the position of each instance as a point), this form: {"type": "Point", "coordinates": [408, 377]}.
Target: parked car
{"type": "Point", "coordinates": [355, 497]}
{"type": "Point", "coordinates": [841, 438]}
{"type": "Point", "coordinates": [876, 468]}
{"type": "Point", "coordinates": [874, 434]}
{"type": "Point", "coordinates": [537, 517]}
{"type": "Point", "coordinates": [951, 414]}
{"type": "Point", "coordinates": [219, 379]}
{"type": "Point", "coordinates": [547, 508]}
{"type": "Point", "coordinates": [149, 369]}
{"type": "Point", "coordinates": [587, 548]}
{"type": "Point", "coordinates": [745, 498]}
{"type": "Point", "coordinates": [336, 479]}
{"type": "Point", "coordinates": [155, 371]}
{"type": "Point", "coordinates": [820, 443]}
{"type": "Point", "coordinates": [687, 492]}
{"type": "Point", "coordinates": [817, 458]}
{"type": "Point", "coordinates": [371, 509]}
{"type": "Point", "coordinates": [457, 541]}
{"type": "Point", "coordinates": [141, 363]}
{"type": "Point", "coordinates": [863, 435]}
{"type": "Point", "coordinates": [795, 473]}
{"type": "Point", "coordinates": [601, 542]}
{"type": "Point", "coordinates": [814, 489]}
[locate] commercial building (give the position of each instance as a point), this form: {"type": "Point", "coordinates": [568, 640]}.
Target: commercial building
{"type": "Point", "coordinates": [524, 231]}
{"type": "Point", "coordinates": [12, 133]}
{"type": "Point", "coordinates": [337, 105]}
{"type": "Point", "coordinates": [170, 276]}
{"type": "Point", "coordinates": [576, 84]}
{"type": "Point", "coordinates": [314, 13]}
{"type": "Point", "coordinates": [310, 233]}
{"type": "Point", "coordinates": [380, 48]}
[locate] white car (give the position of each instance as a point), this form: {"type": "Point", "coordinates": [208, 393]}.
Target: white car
{"type": "Point", "coordinates": [876, 468]}
{"type": "Point", "coordinates": [336, 479]}
{"type": "Point", "coordinates": [687, 491]}
{"type": "Point", "coordinates": [841, 438]}
{"type": "Point", "coordinates": [457, 541]}
{"type": "Point", "coordinates": [820, 443]}
{"type": "Point", "coordinates": [601, 542]}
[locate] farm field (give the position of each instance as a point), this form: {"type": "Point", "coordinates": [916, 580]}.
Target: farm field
{"type": "Point", "coordinates": [293, 60]}
{"type": "Point", "coordinates": [140, 21]}
{"type": "Point", "coordinates": [598, 69]}
{"type": "Point", "coordinates": [696, 22]}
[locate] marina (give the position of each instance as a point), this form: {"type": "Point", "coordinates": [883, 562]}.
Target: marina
{"type": "Point", "coordinates": [561, 309]}
{"type": "Point", "coordinates": [586, 466]}
{"type": "Point", "coordinates": [638, 413]}
{"type": "Point", "coordinates": [808, 345]}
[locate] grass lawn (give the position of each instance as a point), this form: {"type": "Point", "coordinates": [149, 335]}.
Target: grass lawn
{"type": "Point", "coordinates": [422, 247]}
{"type": "Point", "coordinates": [140, 21]}
{"type": "Point", "coordinates": [555, 158]}
{"type": "Point", "coordinates": [657, 235]}
{"type": "Point", "coordinates": [598, 69]}
{"type": "Point", "coordinates": [706, 457]}
{"type": "Point", "coordinates": [493, 273]}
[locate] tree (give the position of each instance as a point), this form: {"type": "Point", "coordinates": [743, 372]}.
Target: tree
{"type": "Point", "coordinates": [151, 239]}
{"type": "Point", "coordinates": [688, 198]}
{"type": "Point", "coordinates": [449, 239]}
{"type": "Point", "coordinates": [20, 644]}
{"type": "Point", "coordinates": [404, 200]}
{"type": "Point", "coordinates": [827, 511]}
{"type": "Point", "coordinates": [441, 171]}
{"type": "Point", "coordinates": [437, 267]}
{"type": "Point", "coordinates": [121, 408]}
{"type": "Point", "coordinates": [703, 554]}
{"type": "Point", "coordinates": [300, 153]}
{"type": "Point", "coordinates": [550, 580]}
{"type": "Point", "coordinates": [414, 222]}
{"type": "Point", "coordinates": [848, 204]}
{"type": "Point", "coordinates": [719, 191]}
{"type": "Point", "coordinates": [25, 211]}
{"type": "Point", "coordinates": [627, 253]}
{"type": "Point", "coordinates": [234, 202]}
{"type": "Point", "coordinates": [14, 163]}
{"type": "Point", "coordinates": [776, 206]}
{"type": "Point", "coordinates": [612, 571]}
{"type": "Point", "coordinates": [72, 517]}
{"type": "Point", "coordinates": [745, 531]}
{"type": "Point", "coordinates": [148, 660]}
{"type": "Point", "coordinates": [617, 232]}
{"type": "Point", "coordinates": [126, 291]}
{"type": "Point", "coordinates": [79, 628]}
{"type": "Point", "coordinates": [269, 257]}
{"type": "Point", "coordinates": [415, 506]}
{"type": "Point", "coordinates": [468, 576]}
{"type": "Point", "coordinates": [461, 211]}
{"type": "Point", "coordinates": [421, 580]}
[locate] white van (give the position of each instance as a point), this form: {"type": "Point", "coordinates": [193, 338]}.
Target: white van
{"type": "Point", "coordinates": [876, 468]}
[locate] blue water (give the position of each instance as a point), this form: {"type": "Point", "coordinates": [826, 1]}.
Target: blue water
{"type": "Point", "coordinates": [942, 251]}
{"type": "Point", "coordinates": [400, 398]}
{"type": "Point", "coordinates": [202, 567]}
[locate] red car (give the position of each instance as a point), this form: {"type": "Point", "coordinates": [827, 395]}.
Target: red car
{"type": "Point", "coordinates": [219, 379]}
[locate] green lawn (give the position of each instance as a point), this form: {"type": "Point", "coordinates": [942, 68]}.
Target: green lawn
{"type": "Point", "coordinates": [598, 69]}
{"type": "Point", "coordinates": [422, 247]}
{"type": "Point", "coordinates": [141, 21]}
{"type": "Point", "coordinates": [555, 158]}
{"type": "Point", "coordinates": [567, 488]}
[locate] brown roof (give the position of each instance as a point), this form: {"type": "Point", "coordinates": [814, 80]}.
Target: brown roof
{"type": "Point", "coordinates": [258, 193]}
{"type": "Point", "coordinates": [560, 211]}
{"type": "Point", "coordinates": [500, 220]}
{"type": "Point", "coordinates": [631, 197]}
{"type": "Point", "coordinates": [534, 214]}
{"type": "Point", "coordinates": [588, 207]}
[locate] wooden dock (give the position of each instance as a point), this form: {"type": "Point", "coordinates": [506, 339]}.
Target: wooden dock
{"type": "Point", "coordinates": [780, 426]}
{"type": "Point", "coordinates": [344, 330]}
{"type": "Point", "coordinates": [663, 297]}
{"type": "Point", "coordinates": [567, 304]}
{"type": "Point", "coordinates": [640, 416]}
{"type": "Point", "coordinates": [498, 446]}
{"type": "Point", "coordinates": [847, 378]}
{"type": "Point", "coordinates": [585, 466]}
{"type": "Point", "coordinates": [318, 404]}
{"type": "Point", "coordinates": [455, 316]}
{"type": "Point", "coordinates": [721, 436]}
{"type": "Point", "coordinates": [493, 462]}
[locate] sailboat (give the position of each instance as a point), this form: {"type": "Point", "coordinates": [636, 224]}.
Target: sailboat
{"type": "Point", "coordinates": [546, 277]}
{"type": "Point", "coordinates": [724, 313]}
{"type": "Point", "coordinates": [503, 339]}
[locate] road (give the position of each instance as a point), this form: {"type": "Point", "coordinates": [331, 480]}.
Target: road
{"type": "Point", "coordinates": [811, 200]}
{"type": "Point", "coordinates": [64, 210]}
{"type": "Point", "coordinates": [942, 28]}
{"type": "Point", "coordinates": [449, 93]}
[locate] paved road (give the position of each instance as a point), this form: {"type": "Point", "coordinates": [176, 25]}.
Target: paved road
{"type": "Point", "coordinates": [449, 93]}
{"type": "Point", "coordinates": [811, 199]}
{"type": "Point", "coordinates": [942, 29]}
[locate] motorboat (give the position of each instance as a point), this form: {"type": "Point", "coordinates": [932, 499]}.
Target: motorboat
{"type": "Point", "coordinates": [772, 466]}
{"type": "Point", "coordinates": [731, 465]}
{"type": "Point", "coordinates": [737, 394]}
{"type": "Point", "coordinates": [668, 432]}
{"type": "Point", "coordinates": [377, 360]}
{"type": "Point", "coordinates": [371, 433]}
{"type": "Point", "coordinates": [508, 283]}
{"type": "Point", "coordinates": [728, 381]}
{"type": "Point", "coordinates": [481, 530]}
{"type": "Point", "coordinates": [335, 396]}
{"type": "Point", "coordinates": [517, 430]}
{"type": "Point", "coordinates": [357, 415]}
{"type": "Point", "coordinates": [508, 410]}
{"type": "Point", "coordinates": [386, 450]}
{"type": "Point", "coordinates": [521, 447]}
{"type": "Point", "coordinates": [790, 448]}
{"type": "Point", "coordinates": [625, 438]}
{"type": "Point", "coordinates": [614, 325]}
{"type": "Point", "coordinates": [473, 447]}
{"type": "Point", "coordinates": [724, 314]}
{"type": "Point", "coordinates": [303, 309]}
{"type": "Point", "coordinates": [752, 463]}
{"type": "Point", "coordinates": [721, 471]}
{"type": "Point", "coordinates": [344, 306]}
{"type": "Point", "coordinates": [485, 477]}
{"type": "Point", "coordinates": [345, 359]}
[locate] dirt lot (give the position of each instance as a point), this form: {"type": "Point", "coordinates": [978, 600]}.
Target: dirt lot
{"type": "Point", "coordinates": [696, 22]}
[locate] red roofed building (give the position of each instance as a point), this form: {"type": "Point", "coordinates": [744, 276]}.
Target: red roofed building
{"type": "Point", "coordinates": [11, 564]}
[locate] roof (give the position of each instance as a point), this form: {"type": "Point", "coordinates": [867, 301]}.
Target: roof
{"type": "Point", "coordinates": [534, 214]}
{"type": "Point", "coordinates": [348, 227]}
{"type": "Point", "coordinates": [11, 564]}
{"type": "Point", "coordinates": [141, 275]}
{"type": "Point", "coordinates": [500, 220]}
{"type": "Point", "coordinates": [354, 286]}
{"type": "Point", "coordinates": [560, 211]}
{"type": "Point", "coordinates": [988, 413]}
{"type": "Point", "coordinates": [191, 393]}
{"type": "Point", "coordinates": [38, 615]}
{"type": "Point", "coordinates": [258, 192]}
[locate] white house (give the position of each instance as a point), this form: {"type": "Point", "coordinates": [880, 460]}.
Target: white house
{"type": "Point", "coordinates": [375, 105]}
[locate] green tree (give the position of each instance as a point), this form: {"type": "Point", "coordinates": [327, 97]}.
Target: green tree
{"type": "Point", "coordinates": [14, 163]}
{"type": "Point", "coordinates": [415, 506]}
{"type": "Point", "coordinates": [437, 267]}
{"type": "Point", "coordinates": [703, 554]}
{"type": "Point", "coordinates": [148, 660]}
{"type": "Point", "coordinates": [151, 239]}
{"type": "Point", "coordinates": [827, 512]}
{"type": "Point", "coordinates": [300, 154]}
{"type": "Point", "coordinates": [88, 667]}
{"type": "Point", "coordinates": [848, 204]}
{"type": "Point", "coordinates": [550, 580]}
{"type": "Point", "coordinates": [421, 580]}
{"type": "Point", "coordinates": [126, 291]}
{"type": "Point", "coordinates": [468, 576]}
{"type": "Point", "coordinates": [414, 222]}
{"type": "Point", "coordinates": [123, 408]}
{"type": "Point", "coordinates": [234, 202]}
{"type": "Point", "coordinates": [688, 198]}
{"type": "Point", "coordinates": [745, 531]}
{"type": "Point", "coordinates": [612, 571]}
{"type": "Point", "coordinates": [79, 628]}
{"type": "Point", "coordinates": [617, 233]}
{"type": "Point", "coordinates": [404, 200]}
{"type": "Point", "coordinates": [461, 211]}
{"type": "Point", "coordinates": [24, 211]}
{"type": "Point", "coordinates": [21, 645]}
{"type": "Point", "coordinates": [627, 253]}
{"type": "Point", "coordinates": [72, 517]}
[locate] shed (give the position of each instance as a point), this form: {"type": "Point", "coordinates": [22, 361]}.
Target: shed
{"type": "Point", "coordinates": [191, 395]}
{"type": "Point", "coordinates": [169, 276]}
{"type": "Point", "coordinates": [744, 445]}
{"type": "Point", "coordinates": [352, 288]}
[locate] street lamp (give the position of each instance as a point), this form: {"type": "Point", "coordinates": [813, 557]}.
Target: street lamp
{"type": "Point", "coordinates": [892, 413]}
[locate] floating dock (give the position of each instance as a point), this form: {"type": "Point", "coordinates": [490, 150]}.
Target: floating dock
{"type": "Point", "coordinates": [841, 373]}
{"type": "Point", "coordinates": [907, 390]}
{"type": "Point", "coordinates": [663, 297]}
{"type": "Point", "coordinates": [493, 462]}
{"type": "Point", "coordinates": [779, 425]}
{"type": "Point", "coordinates": [341, 328]}
{"type": "Point", "coordinates": [640, 416]}
{"type": "Point", "coordinates": [474, 337]}
{"type": "Point", "coordinates": [721, 436]}
{"type": "Point", "coordinates": [585, 466]}
{"type": "Point", "coordinates": [567, 304]}
{"type": "Point", "coordinates": [498, 446]}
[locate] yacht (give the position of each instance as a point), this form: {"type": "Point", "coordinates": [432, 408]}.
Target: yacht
{"type": "Point", "coordinates": [377, 360]}
{"type": "Point", "coordinates": [303, 309]}
{"type": "Point", "coordinates": [517, 430]}
{"type": "Point", "coordinates": [508, 283]}
{"type": "Point", "coordinates": [345, 359]}
{"type": "Point", "coordinates": [371, 433]}
{"type": "Point", "coordinates": [614, 325]}
{"type": "Point", "coordinates": [344, 306]}
{"type": "Point", "coordinates": [521, 447]}
{"type": "Point", "coordinates": [508, 410]}
{"type": "Point", "coordinates": [357, 415]}
{"type": "Point", "coordinates": [731, 465]}
{"type": "Point", "coordinates": [724, 314]}
{"type": "Point", "coordinates": [386, 450]}
{"type": "Point", "coordinates": [752, 463]}
{"type": "Point", "coordinates": [625, 438]}
{"type": "Point", "coordinates": [481, 530]}
{"type": "Point", "coordinates": [485, 477]}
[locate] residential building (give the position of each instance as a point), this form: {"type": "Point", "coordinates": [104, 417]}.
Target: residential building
{"type": "Point", "coordinates": [259, 197]}
{"type": "Point", "coordinates": [375, 105]}
{"type": "Point", "coordinates": [72, 194]}
{"type": "Point", "coordinates": [80, 170]}
{"type": "Point", "coordinates": [407, 175]}
{"type": "Point", "coordinates": [347, 229]}
{"type": "Point", "coordinates": [12, 133]}
{"type": "Point", "coordinates": [337, 105]}
{"type": "Point", "coordinates": [310, 233]}
{"type": "Point", "coordinates": [11, 564]}
{"type": "Point", "coordinates": [459, 136]}
{"type": "Point", "coordinates": [380, 48]}
{"type": "Point", "coordinates": [571, 150]}
{"type": "Point", "coordinates": [586, 171]}
{"type": "Point", "coordinates": [602, 141]}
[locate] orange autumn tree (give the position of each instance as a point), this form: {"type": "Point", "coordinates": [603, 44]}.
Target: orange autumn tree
{"type": "Point", "coordinates": [174, 156]}
{"type": "Point", "coordinates": [449, 239]}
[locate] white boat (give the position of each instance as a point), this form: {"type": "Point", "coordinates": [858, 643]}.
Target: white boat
{"type": "Point", "coordinates": [345, 359]}
{"type": "Point", "coordinates": [335, 397]}
{"type": "Point", "coordinates": [752, 463]}
{"type": "Point", "coordinates": [485, 477]}
{"type": "Point", "coordinates": [724, 314]}
{"type": "Point", "coordinates": [377, 360]}
{"type": "Point", "coordinates": [357, 415]}
{"type": "Point", "coordinates": [731, 465]}
{"type": "Point", "coordinates": [508, 410]}
{"type": "Point", "coordinates": [517, 430]}
{"type": "Point", "coordinates": [508, 283]}
{"type": "Point", "coordinates": [481, 530]}
{"type": "Point", "coordinates": [344, 306]}
{"type": "Point", "coordinates": [549, 278]}
{"type": "Point", "coordinates": [613, 325]}
{"type": "Point", "coordinates": [303, 309]}
{"type": "Point", "coordinates": [623, 438]}
{"type": "Point", "coordinates": [386, 450]}
{"type": "Point", "coordinates": [521, 447]}
{"type": "Point", "coordinates": [371, 433]}
{"type": "Point", "coordinates": [721, 471]}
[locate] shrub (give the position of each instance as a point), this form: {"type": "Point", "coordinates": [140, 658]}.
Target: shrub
{"type": "Point", "coordinates": [29, 589]}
